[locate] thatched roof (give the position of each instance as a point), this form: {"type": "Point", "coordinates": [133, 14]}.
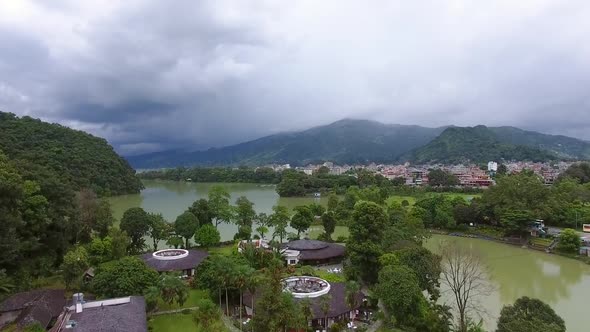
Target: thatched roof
{"type": "Point", "coordinates": [338, 305]}
{"type": "Point", "coordinates": [40, 306]}
{"type": "Point", "coordinates": [194, 258]}
{"type": "Point", "coordinates": [311, 250]}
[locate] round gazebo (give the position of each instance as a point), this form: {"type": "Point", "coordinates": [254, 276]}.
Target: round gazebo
{"type": "Point", "coordinates": [316, 252]}
{"type": "Point", "coordinates": [180, 260]}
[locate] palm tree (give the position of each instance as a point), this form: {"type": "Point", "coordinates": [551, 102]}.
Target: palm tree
{"type": "Point", "coordinates": [262, 230]}
{"type": "Point", "coordinates": [325, 307]}
{"type": "Point", "coordinates": [306, 310]}
{"type": "Point", "coordinates": [227, 278]}
{"type": "Point", "coordinates": [254, 281]}
{"type": "Point", "coordinates": [242, 275]}
{"type": "Point", "coordinates": [352, 289]}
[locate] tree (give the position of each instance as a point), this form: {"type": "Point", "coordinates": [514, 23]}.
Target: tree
{"type": "Point", "coordinates": [200, 208]}
{"type": "Point", "coordinates": [301, 219]}
{"type": "Point", "coordinates": [245, 213]}
{"type": "Point", "coordinates": [569, 241]}
{"type": "Point", "coordinates": [515, 221]}
{"type": "Point", "coordinates": [159, 229]}
{"type": "Point", "coordinates": [100, 250]}
{"type": "Point", "coordinates": [425, 265]}
{"type": "Point", "coordinates": [279, 219]}
{"type": "Point", "coordinates": [325, 302]}
{"type": "Point", "coordinates": [464, 274]}
{"type": "Point", "coordinates": [219, 206]}
{"type": "Point", "coordinates": [207, 316]}
{"type": "Point", "coordinates": [333, 202]}
{"type": "Point", "coordinates": [120, 242]}
{"type": "Point", "coordinates": [262, 230]}
{"type": "Point", "coordinates": [401, 295]}
{"type": "Point", "coordinates": [6, 284]}
{"type": "Point", "coordinates": [441, 178]}
{"type": "Point", "coordinates": [87, 207]}
{"type": "Point", "coordinates": [580, 172]}
{"type": "Point", "coordinates": [124, 277]}
{"type": "Point", "coordinates": [529, 315]}
{"type": "Point", "coordinates": [175, 241]}
{"type": "Point", "coordinates": [186, 225]}
{"type": "Point", "coordinates": [173, 289]}
{"type": "Point", "coordinates": [352, 290]}
{"type": "Point", "coordinates": [329, 223]}
{"type": "Point", "coordinates": [74, 264]}
{"type": "Point", "coordinates": [136, 223]}
{"type": "Point", "coordinates": [273, 306]}
{"type": "Point", "coordinates": [317, 209]}
{"type": "Point", "coordinates": [365, 241]}
{"type": "Point", "coordinates": [104, 218]}
{"type": "Point", "coordinates": [207, 236]}
{"type": "Point", "coordinates": [242, 275]}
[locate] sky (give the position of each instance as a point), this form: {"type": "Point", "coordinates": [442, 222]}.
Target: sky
{"type": "Point", "coordinates": [192, 74]}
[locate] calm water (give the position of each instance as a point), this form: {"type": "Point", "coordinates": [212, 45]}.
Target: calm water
{"type": "Point", "coordinates": [173, 198]}
{"type": "Point", "coordinates": [563, 283]}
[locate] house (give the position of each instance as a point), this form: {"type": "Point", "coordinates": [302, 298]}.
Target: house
{"type": "Point", "coordinates": [40, 306]}
{"type": "Point", "coordinates": [175, 260]}
{"type": "Point", "coordinates": [125, 314]}
{"type": "Point", "coordinates": [313, 289]}
{"type": "Point", "coordinates": [314, 252]}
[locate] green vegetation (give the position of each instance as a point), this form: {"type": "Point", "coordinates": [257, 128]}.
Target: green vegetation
{"type": "Point", "coordinates": [529, 315]}
{"type": "Point", "coordinates": [72, 158]}
{"type": "Point", "coordinates": [477, 144]}
{"type": "Point", "coordinates": [181, 322]}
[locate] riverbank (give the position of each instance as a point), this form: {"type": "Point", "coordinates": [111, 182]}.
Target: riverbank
{"type": "Point", "coordinates": [519, 242]}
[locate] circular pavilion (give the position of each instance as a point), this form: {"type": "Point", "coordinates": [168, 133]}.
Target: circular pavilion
{"type": "Point", "coordinates": [179, 260]}
{"type": "Point", "coordinates": [316, 252]}
{"type": "Point", "coordinates": [305, 286]}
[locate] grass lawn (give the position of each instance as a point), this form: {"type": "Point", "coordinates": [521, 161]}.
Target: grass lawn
{"type": "Point", "coordinates": [193, 297]}
{"type": "Point", "coordinates": [224, 250]}
{"type": "Point", "coordinates": [542, 242]}
{"type": "Point", "coordinates": [400, 199]}
{"type": "Point", "coordinates": [467, 197]}
{"type": "Point", "coordinates": [315, 231]}
{"type": "Point", "coordinates": [173, 323]}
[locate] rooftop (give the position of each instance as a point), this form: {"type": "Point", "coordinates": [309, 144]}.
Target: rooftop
{"type": "Point", "coordinates": [311, 250]}
{"type": "Point", "coordinates": [41, 305]}
{"type": "Point", "coordinates": [174, 259]}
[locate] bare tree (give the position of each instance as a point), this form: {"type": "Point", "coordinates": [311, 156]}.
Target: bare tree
{"type": "Point", "coordinates": [465, 275]}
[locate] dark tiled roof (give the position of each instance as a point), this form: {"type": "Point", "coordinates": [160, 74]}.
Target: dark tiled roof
{"type": "Point", "coordinates": [307, 245]}
{"type": "Point", "coordinates": [315, 250]}
{"type": "Point", "coordinates": [36, 306]}
{"type": "Point", "coordinates": [338, 305]}
{"type": "Point", "coordinates": [127, 317]}
{"type": "Point", "coordinates": [194, 258]}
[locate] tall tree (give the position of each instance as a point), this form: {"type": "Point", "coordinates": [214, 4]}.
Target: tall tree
{"type": "Point", "coordinates": [136, 223]}
{"type": "Point", "coordinates": [120, 243]}
{"type": "Point", "coordinates": [332, 202]}
{"type": "Point", "coordinates": [200, 208]}
{"type": "Point", "coordinates": [529, 315]}
{"type": "Point", "coordinates": [441, 178]}
{"type": "Point", "coordinates": [87, 207]}
{"type": "Point", "coordinates": [301, 219]}
{"type": "Point", "coordinates": [173, 289]}
{"type": "Point", "coordinates": [74, 264]}
{"type": "Point", "coordinates": [159, 229]}
{"type": "Point", "coordinates": [219, 206]}
{"type": "Point", "coordinates": [325, 302]}
{"type": "Point", "coordinates": [245, 216]}
{"type": "Point", "coordinates": [207, 236]}
{"type": "Point", "coordinates": [364, 244]}
{"type": "Point", "coordinates": [279, 219]}
{"type": "Point", "coordinates": [329, 223]}
{"type": "Point", "coordinates": [124, 277]}
{"type": "Point", "coordinates": [401, 295]}
{"type": "Point", "coordinates": [464, 274]}
{"type": "Point", "coordinates": [352, 290]}
{"type": "Point", "coordinates": [104, 218]}
{"type": "Point", "coordinates": [186, 225]}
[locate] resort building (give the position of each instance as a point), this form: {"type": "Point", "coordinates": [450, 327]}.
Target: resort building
{"type": "Point", "coordinates": [313, 288]}
{"type": "Point", "coordinates": [313, 252]}
{"type": "Point", "coordinates": [39, 306]}
{"type": "Point", "coordinates": [175, 260]}
{"type": "Point", "coordinates": [125, 314]}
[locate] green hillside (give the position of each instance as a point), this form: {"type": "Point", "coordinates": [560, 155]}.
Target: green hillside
{"type": "Point", "coordinates": [73, 157]}
{"type": "Point", "coordinates": [343, 142]}
{"type": "Point", "coordinates": [479, 144]}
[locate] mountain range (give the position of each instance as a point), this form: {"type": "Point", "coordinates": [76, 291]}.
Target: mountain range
{"type": "Point", "coordinates": [351, 141]}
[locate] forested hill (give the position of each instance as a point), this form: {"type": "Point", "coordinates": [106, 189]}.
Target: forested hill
{"type": "Point", "coordinates": [343, 142]}
{"type": "Point", "coordinates": [72, 157]}
{"type": "Point", "coordinates": [481, 144]}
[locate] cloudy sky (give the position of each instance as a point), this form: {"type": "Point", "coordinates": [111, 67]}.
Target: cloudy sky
{"type": "Point", "coordinates": [153, 75]}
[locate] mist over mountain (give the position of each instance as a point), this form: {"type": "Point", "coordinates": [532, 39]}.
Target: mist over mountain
{"type": "Point", "coordinates": [351, 141]}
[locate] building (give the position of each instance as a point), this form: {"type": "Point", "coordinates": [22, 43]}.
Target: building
{"type": "Point", "coordinates": [125, 314]}
{"type": "Point", "coordinates": [492, 166]}
{"type": "Point", "coordinates": [40, 306]}
{"type": "Point", "coordinates": [313, 289]}
{"type": "Point", "coordinates": [313, 252]}
{"type": "Point", "coordinates": [175, 260]}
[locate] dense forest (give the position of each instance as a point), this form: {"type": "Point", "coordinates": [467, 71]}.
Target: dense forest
{"type": "Point", "coordinates": [71, 157]}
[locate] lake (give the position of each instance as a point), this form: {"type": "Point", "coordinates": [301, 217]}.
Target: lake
{"type": "Point", "coordinates": [561, 282]}
{"type": "Point", "coordinates": [514, 272]}
{"type": "Point", "coordinates": [173, 198]}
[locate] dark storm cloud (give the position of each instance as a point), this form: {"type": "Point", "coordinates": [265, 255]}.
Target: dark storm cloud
{"type": "Point", "coordinates": [150, 75]}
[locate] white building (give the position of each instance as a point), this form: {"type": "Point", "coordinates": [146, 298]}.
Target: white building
{"type": "Point", "coordinates": [493, 166]}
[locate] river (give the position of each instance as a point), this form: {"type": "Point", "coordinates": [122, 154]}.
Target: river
{"type": "Point", "coordinates": [514, 272]}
